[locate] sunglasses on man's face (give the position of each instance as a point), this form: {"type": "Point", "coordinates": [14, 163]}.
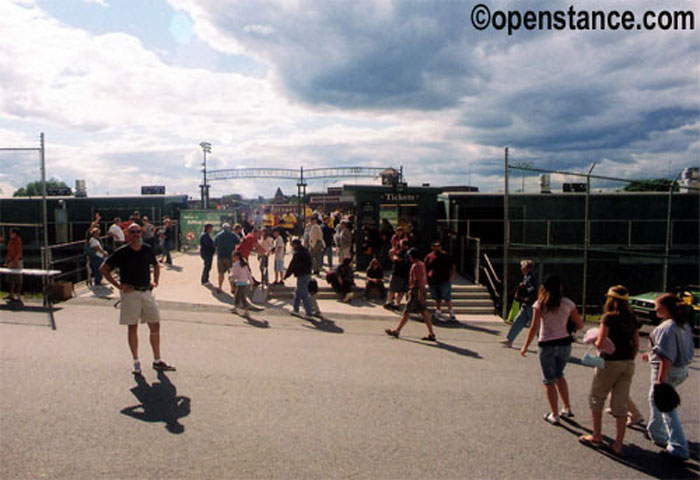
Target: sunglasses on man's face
{"type": "Point", "coordinates": [135, 231]}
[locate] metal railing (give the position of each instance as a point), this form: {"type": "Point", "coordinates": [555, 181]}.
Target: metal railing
{"type": "Point", "coordinates": [491, 281]}
{"type": "Point", "coordinates": [74, 263]}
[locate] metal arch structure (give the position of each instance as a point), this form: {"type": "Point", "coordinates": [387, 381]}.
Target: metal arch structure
{"type": "Point", "coordinates": [293, 174]}
{"type": "Point", "coordinates": [300, 175]}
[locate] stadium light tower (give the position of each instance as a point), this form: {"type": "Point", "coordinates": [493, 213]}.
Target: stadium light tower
{"type": "Point", "coordinates": [206, 148]}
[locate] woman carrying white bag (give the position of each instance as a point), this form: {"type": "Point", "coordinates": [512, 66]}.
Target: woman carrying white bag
{"type": "Point", "coordinates": [618, 343]}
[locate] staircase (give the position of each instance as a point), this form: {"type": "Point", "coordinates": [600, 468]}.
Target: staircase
{"type": "Point", "coordinates": [467, 299]}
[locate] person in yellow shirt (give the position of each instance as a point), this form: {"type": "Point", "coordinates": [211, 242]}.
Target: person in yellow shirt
{"type": "Point", "coordinates": [289, 220]}
{"type": "Point", "coordinates": [268, 219]}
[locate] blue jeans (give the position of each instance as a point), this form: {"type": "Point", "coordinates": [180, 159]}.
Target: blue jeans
{"type": "Point", "coordinates": [207, 267]}
{"type": "Point", "coordinates": [95, 264]}
{"type": "Point", "coordinates": [329, 255]}
{"type": "Point", "coordinates": [301, 294]}
{"type": "Point", "coordinates": [523, 317]}
{"type": "Point", "coordinates": [264, 262]}
{"type": "Point", "coordinates": [665, 429]}
{"type": "Point", "coordinates": [166, 253]}
{"type": "Point", "coordinates": [553, 359]}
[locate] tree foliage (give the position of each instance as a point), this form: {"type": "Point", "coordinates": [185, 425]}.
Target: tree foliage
{"type": "Point", "coordinates": [655, 185]}
{"type": "Point", "coordinates": [33, 189]}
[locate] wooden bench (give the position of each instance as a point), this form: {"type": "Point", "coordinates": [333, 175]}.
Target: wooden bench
{"type": "Point", "coordinates": [37, 272]}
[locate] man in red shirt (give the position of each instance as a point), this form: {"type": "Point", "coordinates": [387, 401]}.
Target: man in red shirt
{"type": "Point", "coordinates": [441, 271]}
{"type": "Point", "coordinates": [14, 260]}
{"type": "Point", "coordinates": [248, 244]}
{"type": "Point", "coordinates": [417, 278]}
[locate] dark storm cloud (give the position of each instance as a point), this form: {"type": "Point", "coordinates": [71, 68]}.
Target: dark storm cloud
{"type": "Point", "coordinates": [564, 98]}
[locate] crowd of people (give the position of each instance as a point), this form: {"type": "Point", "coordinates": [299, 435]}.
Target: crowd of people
{"type": "Point", "coordinates": [323, 238]}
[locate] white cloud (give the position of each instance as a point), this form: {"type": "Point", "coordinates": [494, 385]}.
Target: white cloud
{"type": "Point", "coordinates": [102, 3]}
{"type": "Point", "coordinates": [369, 83]}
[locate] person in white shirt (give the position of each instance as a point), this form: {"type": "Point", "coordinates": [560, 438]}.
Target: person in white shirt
{"type": "Point", "coordinates": [316, 245]}
{"type": "Point", "coordinates": [116, 233]}
{"type": "Point", "coordinates": [97, 255]}
{"type": "Point", "coordinates": [268, 245]}
{"type": "Point", "coordinates": [279, 257]}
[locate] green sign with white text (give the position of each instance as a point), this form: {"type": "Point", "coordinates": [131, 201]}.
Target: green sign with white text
{"type": "Point", "coordinates": [192, 224]}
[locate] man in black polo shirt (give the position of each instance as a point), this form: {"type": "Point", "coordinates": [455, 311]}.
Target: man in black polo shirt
{"type": "Point", "coordinates": [134, 262]}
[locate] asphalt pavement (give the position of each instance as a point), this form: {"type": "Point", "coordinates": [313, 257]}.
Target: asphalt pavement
{"type": "Point", "coordinates": [279, 397]}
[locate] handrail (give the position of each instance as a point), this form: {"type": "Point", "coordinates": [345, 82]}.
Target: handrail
{"type": "Point", "coordinates": [490, 268]}
{"type": "Point", "coordinates": [491, 283]}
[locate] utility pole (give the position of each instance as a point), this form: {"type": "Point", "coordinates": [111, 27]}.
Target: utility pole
{"type": "Point", "coordinates": [506, 238]}
{"type": "Point", "coordinates": [586, 238]}
{"type": "Point", "coordinates": [668, 232]}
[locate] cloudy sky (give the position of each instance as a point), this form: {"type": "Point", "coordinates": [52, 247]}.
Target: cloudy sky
{"type": "Point", "coordinates": [125, 90]}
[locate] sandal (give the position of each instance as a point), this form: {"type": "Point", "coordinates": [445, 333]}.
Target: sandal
{"type": "Point", "coordinates": [589, 441]}
{"type": "Point", "coordinates": [551, 418]}
{"type": "Point", "coordinates": [635, 422]}
{"type": "Point", "coordinates": [429, 338]}
{"type": "Point", "coordinates": [392, 333]}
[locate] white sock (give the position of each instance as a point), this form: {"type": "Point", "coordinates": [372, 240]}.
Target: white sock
{"type": "Point", "coordinates": [157, 360]}
{"type": "Point", "coordinates": [137, 363]}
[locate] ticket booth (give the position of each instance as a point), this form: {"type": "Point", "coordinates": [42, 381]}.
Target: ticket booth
{"type": "Point", "coordinates": [413, 208]}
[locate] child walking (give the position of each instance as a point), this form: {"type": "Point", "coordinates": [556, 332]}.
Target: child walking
{"type": "Point", "coordinates": [241, 278]}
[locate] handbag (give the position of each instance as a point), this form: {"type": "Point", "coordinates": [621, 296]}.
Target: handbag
{"type": "Point", "coordinates": [514, 309]}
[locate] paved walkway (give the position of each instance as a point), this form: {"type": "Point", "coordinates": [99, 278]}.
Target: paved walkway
{"type": "Point", "coordinates": [277, 397]}
{"type": "Point", "coordinates": [180, 288]}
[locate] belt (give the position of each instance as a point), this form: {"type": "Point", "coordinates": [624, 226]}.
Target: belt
{"type": "Point", "coordinates": [143, 289]}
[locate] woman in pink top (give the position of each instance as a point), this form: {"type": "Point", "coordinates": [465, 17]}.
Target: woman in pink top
{"type": "Point", "coordinates": [551, 316]}
{"type": "Point", "coordinates": [241, 278]}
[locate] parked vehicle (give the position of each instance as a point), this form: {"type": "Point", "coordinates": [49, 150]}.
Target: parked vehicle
{"type": "Point", "coordinates": [643, 306]}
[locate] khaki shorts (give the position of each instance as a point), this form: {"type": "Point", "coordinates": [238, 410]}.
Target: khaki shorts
{"type": "Point", "coordinates": [15, 278]}
{"type": "Point", "coordinates": [138, 306]}
{"type": "Point", "coordinates": [616, 377]}
{"type": "Point", "coordinates": [223, 264]}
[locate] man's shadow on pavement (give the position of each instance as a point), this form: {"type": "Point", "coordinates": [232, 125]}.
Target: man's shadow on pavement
{"type": "Point", "coordinates": [325, 325]}
{"type": "Point", "coordinates": [447, 347]}
{"type": "Point", "coordinates": [222, 296]}
{"type": "Point", "coordinates": [159, 403]}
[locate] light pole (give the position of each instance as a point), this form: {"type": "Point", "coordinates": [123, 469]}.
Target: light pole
{"type": "Point", "coordinates": [586, 239]}
{"type": "Point", "coordinates": [668, 232]}
{"type": "Point", "coordinates": [206, 148]}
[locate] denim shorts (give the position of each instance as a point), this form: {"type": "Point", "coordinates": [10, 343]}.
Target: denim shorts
{"type": "Point", "coordinates": [442, 291]}
{"type": "Point", "coordinates": [279, 265]}
{"type": "Point", "coordinates": [553, 359]}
